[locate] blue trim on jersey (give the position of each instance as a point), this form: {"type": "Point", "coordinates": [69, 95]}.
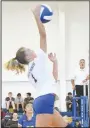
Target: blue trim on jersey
{"type": "Point", "coordinates": [44, 104]}
{"type": "Point", "coordinates": [27, 123]}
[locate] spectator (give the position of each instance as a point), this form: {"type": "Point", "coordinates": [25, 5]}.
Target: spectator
{"type": "Point", "coordinates": [2, 114]}
{"type": "Point", "coordinates": [80, 76]}
{"type": "Point", "coordinates": [7, 117]}
{"type": "Point", "coordinates": [10, 102]}
{"type": "Point", "coordinates": [28, 99]}
{"type": "Point", "coordinates": [19, 102]}
{"type": "Point", "coordinates": [13, 122]}
{"type": "Point", "coordinates": [27, 120]}
{"type": "Point", "coordinates": [69, 102]}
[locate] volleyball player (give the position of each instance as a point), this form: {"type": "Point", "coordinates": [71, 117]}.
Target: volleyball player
{"type": "Point", "coordinates": [41, 78]}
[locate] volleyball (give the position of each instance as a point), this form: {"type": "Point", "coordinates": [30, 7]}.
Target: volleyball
{"type": "Point", "coordinates": [46, 13]}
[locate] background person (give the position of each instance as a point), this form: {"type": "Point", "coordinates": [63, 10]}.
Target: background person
{"type": "Point", "coordinates": [19, 102]}
{"type": "Point", "coordinates": [13, 123]}
{"type": "Point", "coordinates": [69, 101]}
{"type": "Point", "coordinates": [10, 101]}
{"type": "Point", "coordinates": [80, 76]}
{"type": "Point", "coordinates": [28, 99]}
{"type": "Point", "coordinates": [79, 80]}
{"type": "Point", "coordinates": [27, 120]}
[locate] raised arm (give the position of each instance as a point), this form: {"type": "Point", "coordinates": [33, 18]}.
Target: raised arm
{"type": "Point", "coordinates": [55, 65]}
{"type": "Point", "coordinates": [41, 28]}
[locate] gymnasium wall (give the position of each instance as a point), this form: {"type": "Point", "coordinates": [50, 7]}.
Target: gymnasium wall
{"type": "Point", "coordinates": [67, 35]}
{"type": "Point", "coordinates": [77, 37]}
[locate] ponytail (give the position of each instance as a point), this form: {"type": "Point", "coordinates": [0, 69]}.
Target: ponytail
{"type": "Point", "coordinates": [14, 65]}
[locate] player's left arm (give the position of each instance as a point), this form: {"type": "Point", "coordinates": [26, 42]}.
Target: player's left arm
{"type": "Point", "coordinates": [41, 28]}
{"type": "Point", "coordinates": [53, 58]}
{"type": "Point", "coordinates": [55, 70]}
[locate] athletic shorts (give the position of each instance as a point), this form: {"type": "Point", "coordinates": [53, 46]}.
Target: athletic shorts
{"type": "Point", "coordinates": [44, 104]}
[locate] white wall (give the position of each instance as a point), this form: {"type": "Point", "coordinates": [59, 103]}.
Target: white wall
{"type": "Point", "coordinates": [77, 36]}
{"type": "Point", "coordinates": [67, 35]}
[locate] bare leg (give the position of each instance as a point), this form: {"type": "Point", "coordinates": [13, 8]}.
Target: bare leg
{"type": "Point", "coordinates": [58, 120]}
{"type": "Point", "coordinates": [17, 106]}
{"type": "Point", "coordinates": [22, 106]}
{"type": "Point", "coordinates": [50, 120]}
{"type": "Point", "coordinates": [44, 120]}
{"type": "Point", "coordinates": [7, 105]}
{"type": "Point", "coordinates": [13, 105]}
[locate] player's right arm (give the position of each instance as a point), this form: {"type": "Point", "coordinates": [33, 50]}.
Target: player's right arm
{"type": "Point", "coordinates": [41, 28]}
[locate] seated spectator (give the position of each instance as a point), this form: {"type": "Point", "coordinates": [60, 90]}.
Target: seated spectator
{"type": "Point", "coordinates": [13, 122]}
{"type": "Point", "coordinates": [28, 99]}
{"type": "Point", "coordinates": [10, 101]}
{"type": "Point", "coordinates": [27, 120]}
{"type": "Point", "coordinates": [2, 114]}
{"type": "Point", "coordinates": [69, 102]}
{"type": "Point", "coordinates": [19, 102]}
{"type": "Point", "coordinates": [4, 121]}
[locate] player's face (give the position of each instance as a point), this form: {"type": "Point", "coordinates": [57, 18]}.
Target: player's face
{"type": "Point", "coordinates": [82, 64]}
{"type": "Point", "coordinates": [29, 110]}
{"type": "Point", "coordinates": [19, 97]}
{"type": "Point", "coordinates": [70, 96]}
{"type": "Point", "coordinates": [10, 95]}
{"type": "Point", "coordinates": [15, 116]}
{"type": "Point", "coordinates": [29, 55]}
{"type": "Point", "coordinates": [28, 96]}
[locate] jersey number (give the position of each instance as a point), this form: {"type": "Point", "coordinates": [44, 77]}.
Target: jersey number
{"type": "Point", "coordinates": [34, 78]}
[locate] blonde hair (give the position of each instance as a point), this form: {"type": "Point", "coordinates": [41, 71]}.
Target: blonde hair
{"type": "Point", "coordinates": [29, 105]}
{"type": "Point", "coordinates": [14, 64]}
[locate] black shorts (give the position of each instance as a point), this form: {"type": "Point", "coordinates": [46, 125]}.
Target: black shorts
{"type": "Point", "coordinates": [80, 90]}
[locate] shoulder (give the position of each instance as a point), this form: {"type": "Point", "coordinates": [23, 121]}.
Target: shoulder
{"type": "Point", "coordinates": [20, 121]}
{"type": "Point", "coordinates": [87, 70]}
{"type": "Point", "coordinates": [25, 99]}
{"type": "Point", "coordinates": [23, 117]}
{"type": "Point", "coordinates": [31, 98]}
{"type": "Point", "coordinates": [67, 97]}
{"type": "Point", "coordinates": [7, 98]}
{"type": "Point", "coordinates": [21, 98]}
{"type": "Point", "coordinates": [13, 98]}
{"type": "Point", "coordinates": [16, 98]}
{"type": "Point", "coordinates": [33, 119]}
{"type": "Point", "coordinates": [40, 53]}
{"type": "Point", "coordinates": [9, 121]}
{"type": "Point", "coordinates": [76, 71]}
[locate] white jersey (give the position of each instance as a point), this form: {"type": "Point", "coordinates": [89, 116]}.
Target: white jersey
{"type": "Point", "coordinates": [80, 75]}
{"type": "Point", "coordinates": [41, 76]}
